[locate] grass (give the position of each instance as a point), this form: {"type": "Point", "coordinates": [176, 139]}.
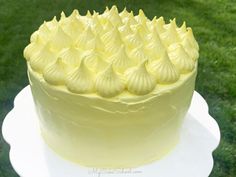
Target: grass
{"type": "Point", "coordinates": [214, 26]}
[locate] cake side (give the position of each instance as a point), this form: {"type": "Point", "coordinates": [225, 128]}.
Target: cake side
{"type": "Point", "coordinates": [98, 132]}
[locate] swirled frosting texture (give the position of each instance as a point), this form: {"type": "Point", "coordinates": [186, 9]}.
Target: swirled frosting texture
{"type": "Point", "coordinates": [120, 52]}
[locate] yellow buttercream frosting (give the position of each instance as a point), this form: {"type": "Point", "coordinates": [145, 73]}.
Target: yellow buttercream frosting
{"type": "Point", "coordinates": [71, 55]}
{"type": "Point", "coordinates": [164, 70]}
{"type": "Point", "coordinates": [42, 58]}
{"type": "Point", "coordinates": [86, 36]}
{"type": "Point", "coordinates": [33, 47]}
{"type": "Point", "coordinates": [181, 59]}
{"type": "Point", "coordinates": [109, 83]}
{"type": "Point", "coordinates": [154, 48]}
{"type": "Point", "coordinates": [111, 89]}
{"type": "Point", "coordinates": [121, 60]}
{"type": "Point", "coordinates": [125, 30]}
{"type": "Point", "coordinates": [112, 37]}
{"type": "Point", "coordinates": [94, 60]}
{"type": "Point", "coordinates": [139, 80]}
{"type": "Point", "coordinates": [55, 73]}
{"type": "Point", "coordinates": [81, 80]}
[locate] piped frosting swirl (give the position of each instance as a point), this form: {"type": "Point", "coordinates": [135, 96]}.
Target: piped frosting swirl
{"type": "Point", "coordinates": [181, 59]}
{"type": "Point", "coordinates": [164, 70]}
{"type": "Point", "coordinates": [109, 83]}
{"type": "Point", "coordinates": [139, 80]}
{"type": "Point", "coordinates": [81, 80]}
{"type": "Point", "coordinates": [111, 52]}
{"type": "Point", "coordinates": [55, 74]}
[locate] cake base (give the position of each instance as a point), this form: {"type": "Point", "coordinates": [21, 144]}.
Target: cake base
{"type": "Point", "coordinates": [31, 157]}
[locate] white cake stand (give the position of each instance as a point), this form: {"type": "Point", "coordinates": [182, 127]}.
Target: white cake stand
{"type": "Point", "coordinates": [31, 157]}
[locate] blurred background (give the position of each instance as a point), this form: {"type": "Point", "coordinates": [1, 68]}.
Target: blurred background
{"type": "Point", "coordinates": [214, 26]}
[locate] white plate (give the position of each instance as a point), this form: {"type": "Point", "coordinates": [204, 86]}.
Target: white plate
{"type": "Point", "coordinates": [31, 157]}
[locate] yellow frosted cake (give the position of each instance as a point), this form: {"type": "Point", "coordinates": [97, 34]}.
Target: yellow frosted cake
{"type": "Point", "coordinates": [111, 90]}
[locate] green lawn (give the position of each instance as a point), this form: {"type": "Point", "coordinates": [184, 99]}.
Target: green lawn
{"type": "Point", "coordinates": [214, 26]}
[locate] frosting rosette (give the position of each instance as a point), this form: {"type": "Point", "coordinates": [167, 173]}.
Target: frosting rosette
{"type": "Point", "coordinates": [111, 52]}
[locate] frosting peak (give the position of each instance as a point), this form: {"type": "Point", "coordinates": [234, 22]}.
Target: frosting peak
{"type": "Point", "coordinates": [108, 83]}
{"type": "Point", "coordinates": [53, 23]}
{"type": "Point", "coordinates": [125, 30]}
{"type": "Point", "coordinates": [155, 47]}
{"type": "Point", "coordinates": [124, 13]}
{"type": "Point", "coordinates": [170, 36]}
{"type": "Point", "coordinates": [139, 80]}
{"type": "Point", "coordinates": [111, 35]}
{"type": "Point", "coordinates": [189, 35]}
{"type": "Point", "coordinates": [60, 40]}
{"type": "Point", "coordinates": [192, 52]}
{"type": "Point", "coordinates": [33, 47]}
{"type": "Point", "coordinates": [71, 55]}
{"type": "Point", "coordinates": [96, 44]}
{"type": "Point", "coordinates": [133, 40]}
{"type": "Point", "coordinates": [55, 74]}
{"type": "Point", "coordinates": [39, 60]}
{"type": "Point", "coordinates": [94, 60]}
{"type": "Point", "coordinates": [81, 80]}
{"type": "Point", "coordinates": [160, 25]}
{"type": "Point", "coordinates": [164, 70]}
{"type": "Point", "coordinates": [181, 59]}
{"type": "Point", "coordinates": [120, 60]}
{"type": "Point", "coordinates": [114, 16]}
{"type": "Point", "coordinates": [86, 36]}
{"type": "Point", "coordinates": [141, 17]}
{"type": "Point", "coordinates": [138, 55]}
{"type": "Point", "coordinates": [182, 30]}
{"type": "Point", "coordinates": [44, 31]}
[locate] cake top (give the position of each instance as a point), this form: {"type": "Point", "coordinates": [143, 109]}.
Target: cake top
{"type": "Point", "coordinates": [111, 52]}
